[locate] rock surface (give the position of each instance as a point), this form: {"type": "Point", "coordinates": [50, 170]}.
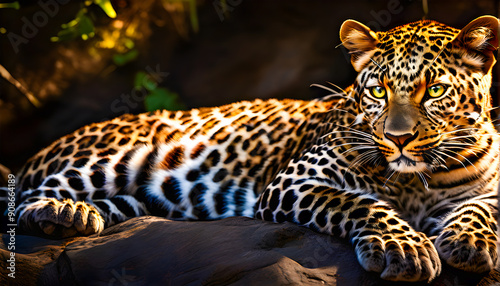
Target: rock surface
{"type": "Point", "coordinates": [234, 251]}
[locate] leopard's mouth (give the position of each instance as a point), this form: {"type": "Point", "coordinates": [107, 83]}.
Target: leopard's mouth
{"type": "Point", "coordinates": [405, 164]}
{"type": "Point", "coordinates": [417, 158]}
{"type": "Point", "coordinates": [405, 160]}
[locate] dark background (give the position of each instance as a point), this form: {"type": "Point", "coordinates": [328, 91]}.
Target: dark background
{"type": "Point", "coordinates": [258, 49]}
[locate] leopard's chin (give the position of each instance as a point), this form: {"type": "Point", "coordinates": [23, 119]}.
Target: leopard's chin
{"type": "Point", "coordinates": [404, 164]}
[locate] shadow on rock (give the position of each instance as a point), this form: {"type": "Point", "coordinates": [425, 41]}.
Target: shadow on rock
{"type": "Point", "coordinates": [233, 251]}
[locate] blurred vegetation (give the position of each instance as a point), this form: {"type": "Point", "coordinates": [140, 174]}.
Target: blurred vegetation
{"type": "Point", "coordinates": [118, 37]}
{"type": "Point", "coordinates": [13, 5]}
{"type": "Point", "coordinates": [157, 97]}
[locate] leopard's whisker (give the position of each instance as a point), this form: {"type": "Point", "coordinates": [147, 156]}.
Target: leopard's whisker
{"type": "Point", "coordinates": [458, 143]}
{"type": "Point", "coordinates": [438, 159]}
{"type": "Point", "coordinates": [363, 158]}
{"type": "Point", "coordinates": [340, 110]}
{"type": "Point", "coordinates": [474, 149]}
{"type": "Point", "coordinates": [465, 158]}
{"type": "Point", "coordinates": [366, 140]}
{"type": "Point", "coordinates": [423, 180]}
{"type": "Point", "coordinates": [459, 130]}
{"type": "Point", "coordinates": [396, 179]}
{"type": "Point", "coordinates": [356, 149]}
{"type": "Point", "coordinates": [379, 66]}
{"type": "Point", "coordinates": [466, 146]}
{"type": "Point", "coordinates": [349, 135]}
{"type": "Point", "coordinates": [485, 133]}
{"type": "Point", "coordinates": [339, 89]}
{"type": "Point", "coordinates": [451, 157]}
{"type": "Point", "coordinates": [495, 120]}
{"type": "Point", "coordinates": [390, 176]}
{"type": "Point", "coordinates": [373, 151]}
{"type": "Point", "coordinates": [333, 92]}
{"type": "Point", "coordinates": [434, 60]}
{"type": "Point", "coordinates": [464, 137]}
{"type": "Point", "coordinates": [354, 132]}
{"type": "Point", "coordinates": [350, 129]}
{"type": "Point", "coordinates": [351, 143]}
{"type": "Point", "coordinates": [493, 108]}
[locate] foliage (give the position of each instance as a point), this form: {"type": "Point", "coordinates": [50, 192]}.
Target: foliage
{"type": "Point", "coordinates": [162, 98]}
{"type": "Point", "coordinates": [123, 59]}
{"type": "Point", "coordinates": [106, 7]}
{"type": "Point", "coordinates": [157, 97]}
{"type": "Point", "coordinates": [13, 5]}
{"type": "Point", "coordinates": [120, 37]}
{"type": "Point", "coordinates": [82, 26]}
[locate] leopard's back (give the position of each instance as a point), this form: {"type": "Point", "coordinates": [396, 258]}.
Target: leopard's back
{"type": "Point", "coordinates": [204, 163]}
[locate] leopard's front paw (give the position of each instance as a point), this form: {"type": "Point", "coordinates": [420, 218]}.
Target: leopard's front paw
{"type": "Point", "coordinates": [60, 218]}
{"type": "Point", "coordinates": [399, 258]}
{"type": "Point", "coordinates": [469, 249]}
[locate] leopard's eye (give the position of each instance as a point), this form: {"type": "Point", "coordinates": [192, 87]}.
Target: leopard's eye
{"type": "Point", "coordinates": [436, 90]}
{"type": "Point", "coordinates": [378, 91]}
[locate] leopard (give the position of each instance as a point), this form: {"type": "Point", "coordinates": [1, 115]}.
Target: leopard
{"type": "Point", "coordinates": [402, 164]}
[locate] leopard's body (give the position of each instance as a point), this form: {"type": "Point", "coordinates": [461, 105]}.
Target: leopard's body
{"type": "Point", "coordinates": [387, 164]}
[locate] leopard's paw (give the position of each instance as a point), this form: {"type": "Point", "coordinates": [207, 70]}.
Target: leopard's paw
{"type": "Point", "coordinates": [60, 218]}
{"type": "Point", "coordinates": [468, 249]}
{"type": "Point", "coordinates": [399, 258]}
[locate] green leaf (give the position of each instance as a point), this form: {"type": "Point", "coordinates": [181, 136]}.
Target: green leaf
{"type": "Point", "coordinates": [143, 80]}
{"type": "Point", "coordinates": [122, 59]}
{"type": "Point", "coordinates": [73, 23]}
{"type": "Point", "coordinates": [162, 98]}
{"type": "Point", "coordinates": [65, 35]}
{"type": "Point", "coordinates": [139, 78]}
{"type": "Point", "coordinates": [13, 5]}
{"type": "Point", "coordinates": [106, 7]}
{"type": "Point", "coordinates": [82, 26]}
{"type": "Point", "coordinates": [193, 15]}
{"type": "Point", "coordinates": [85, 25]}
{"type": "Point", "coordinates": [129, 44]}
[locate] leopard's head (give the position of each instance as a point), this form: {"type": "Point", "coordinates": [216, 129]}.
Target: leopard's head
{"type": "Point", "coordinates": [424, 90]}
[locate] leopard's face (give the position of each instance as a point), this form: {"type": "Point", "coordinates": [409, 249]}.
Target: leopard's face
{"type": "Point", "coordinates": [424, 89]}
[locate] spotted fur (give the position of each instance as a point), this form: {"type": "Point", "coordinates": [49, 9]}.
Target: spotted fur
{"type": "Point", "coordinates": [406, 176]}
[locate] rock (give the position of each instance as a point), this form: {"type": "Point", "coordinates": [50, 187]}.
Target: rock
{"type": "Point", "coordinates": [233, 251]}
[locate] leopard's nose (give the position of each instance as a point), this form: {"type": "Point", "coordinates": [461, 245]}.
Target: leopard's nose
{"type": "Point", "coordinates": [401, 140]}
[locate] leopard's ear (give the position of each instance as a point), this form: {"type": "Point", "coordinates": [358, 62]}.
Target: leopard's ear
{"type": "Point", "coordinates": [360, 41]}
{"type": "Point", "coordinates": [479, 39]}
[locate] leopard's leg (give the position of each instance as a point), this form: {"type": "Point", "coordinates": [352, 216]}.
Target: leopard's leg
{"type": "Point", "coordinates": [468, 238]}
{"type": "Point", "coordinates": [57, 216]}
{"type": "Point", "coordinates": [384, 243]}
